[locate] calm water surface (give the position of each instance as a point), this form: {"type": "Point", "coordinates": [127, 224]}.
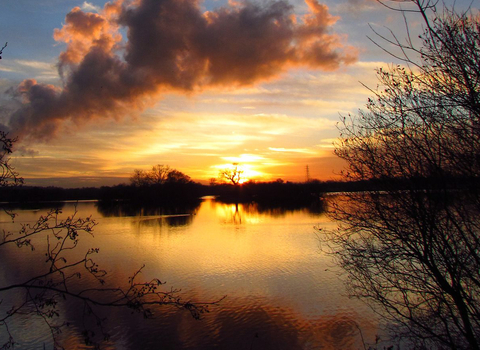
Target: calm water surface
{"type": "Point", "coordinates": [281, 291]}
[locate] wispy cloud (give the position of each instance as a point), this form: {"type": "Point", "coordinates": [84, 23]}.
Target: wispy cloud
{"type": "Point", "coordinates": [7, 69]}
{"type": "Point", "coordinates": [37, 69]}
{"type": "Point", "coordinates": [89, 7]}
{"type": "Point", "coordinates": [45, 66]}
{"type": "Point", "coordinates": [293, 150]}
{"type": "Point", "coordinates": [245, 158]}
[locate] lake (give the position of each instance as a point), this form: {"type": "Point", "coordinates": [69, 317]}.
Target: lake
{"type": "Point", "coordinates": [282, 291]}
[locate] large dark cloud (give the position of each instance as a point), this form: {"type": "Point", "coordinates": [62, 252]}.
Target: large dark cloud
{"type": "Point", "coordinates": [171, 45]}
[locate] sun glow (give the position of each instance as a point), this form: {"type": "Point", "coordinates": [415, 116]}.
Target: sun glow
{"type": "Point", "coordinates": [249, 166]}
{"type": "Point", "coordinates": [249, 173]}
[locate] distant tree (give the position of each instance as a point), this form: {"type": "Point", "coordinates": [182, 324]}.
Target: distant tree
{"type": "Point", "coordinates": [233, 174]}
{"type": "Point", "coordinates": [158, 175]}
{"type": "Point", "coordinates": [56, 274]}
{"type": "Point", "coordinates": [412, 244]}
{"type": "Point", "coordinates": [139, 178]}
{"type": "Point", "coordinates": [175, 176]}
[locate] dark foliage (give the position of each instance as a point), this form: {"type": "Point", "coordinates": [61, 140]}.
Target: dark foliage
{"type": "Point", "coordinates": [167, 194]}
{"type": "Point", "coordinates": [411, 245]}
{"type": "Point", "coordinates": [26, 194]}
{"type": "Point", "coordinates": [277, 193]}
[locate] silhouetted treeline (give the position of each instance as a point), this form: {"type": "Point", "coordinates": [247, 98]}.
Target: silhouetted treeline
{"type": "Point", "coordinates": [286, 194]}
{"type": "Point", "coordinates": [432, 183]}
{"type": "Point", "coordinates": [157, 194]}
{"type": "Point", "coordinates": [265, 193]}
{"type": "Point", "coordinates": [25, 194]}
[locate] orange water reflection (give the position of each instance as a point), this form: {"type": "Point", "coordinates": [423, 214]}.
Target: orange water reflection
{"type": "Point", "coordinates": [282, 291]}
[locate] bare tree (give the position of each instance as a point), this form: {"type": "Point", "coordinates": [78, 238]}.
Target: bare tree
{"type": "Point", "coordinates": [8, 175]}
{"type": "Point", "coordinates": [57, 275]}
{"type": "Point", "coordinates": [233, 175]}
{"type": "Point", "coordinates": [411, 245]}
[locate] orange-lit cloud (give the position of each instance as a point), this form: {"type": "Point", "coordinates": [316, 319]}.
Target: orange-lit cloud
{"type": "Point", "coordinates": [170, 45]}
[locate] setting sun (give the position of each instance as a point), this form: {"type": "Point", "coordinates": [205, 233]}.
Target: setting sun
{"type": "Point", "coordinates": [248, 165]}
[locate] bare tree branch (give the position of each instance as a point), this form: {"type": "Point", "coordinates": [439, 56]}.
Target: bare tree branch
{"type": "Point", "coordinates": [411, 244]}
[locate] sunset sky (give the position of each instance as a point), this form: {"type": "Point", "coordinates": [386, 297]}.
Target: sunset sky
{"type": "Point", "coordinates": [96, 89]}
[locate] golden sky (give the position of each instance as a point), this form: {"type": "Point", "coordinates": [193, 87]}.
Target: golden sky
{"type": "Point", "coordinates": [96, 89]}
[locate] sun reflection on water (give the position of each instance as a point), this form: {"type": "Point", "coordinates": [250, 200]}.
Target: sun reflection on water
{"type": "Point", "coordinates": [282, 292]}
